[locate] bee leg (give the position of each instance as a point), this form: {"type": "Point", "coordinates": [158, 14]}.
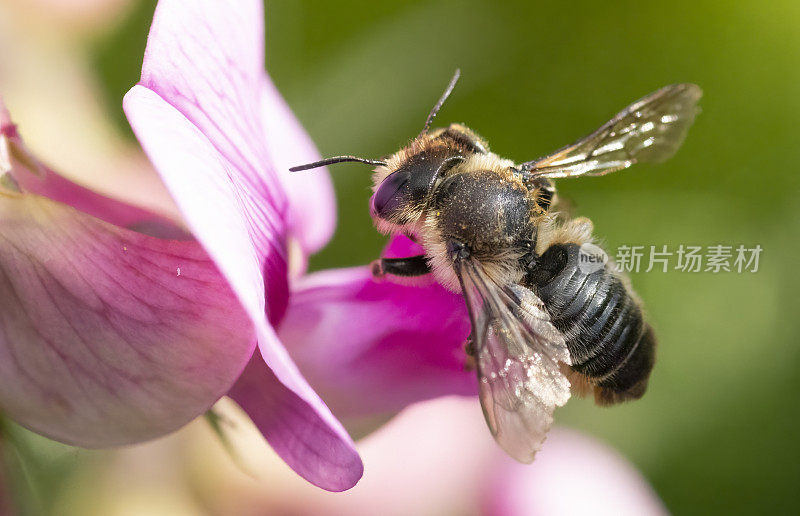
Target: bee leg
{"type": "Point", "coordinates": [407, 267]}
{"type": "Point", "coordinates": [469, 346]}
{"type": "Point", "coordinates": [469, 349]}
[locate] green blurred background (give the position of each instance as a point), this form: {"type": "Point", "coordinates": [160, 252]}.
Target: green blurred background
{"type": "Point", "coordinates": [717, 432]}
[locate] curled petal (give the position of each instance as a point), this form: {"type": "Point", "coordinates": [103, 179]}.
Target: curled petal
{"type": "Point", "coordinates": [206, 59]}
{"type": "Point", "coordinates": [375, 346]}
{"type": "Point", "coordinates": [194, 115]}
{"type": "Point", "coordinates": [198, 101]}
{"type": "Point", "coordinates": [323, 454]}
{"type": "Point", "coordinates": [197, 178]}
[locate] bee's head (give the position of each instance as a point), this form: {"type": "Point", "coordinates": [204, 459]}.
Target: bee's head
{"type": "Point", "coordinates": [402, 186]}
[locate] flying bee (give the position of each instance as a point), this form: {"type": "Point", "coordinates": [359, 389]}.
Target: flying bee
{"type": "Point", "coordinates": [542, 323]}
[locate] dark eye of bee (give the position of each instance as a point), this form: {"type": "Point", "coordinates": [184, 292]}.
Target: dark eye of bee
{"type": "Point", "coordinates": [409, 185]}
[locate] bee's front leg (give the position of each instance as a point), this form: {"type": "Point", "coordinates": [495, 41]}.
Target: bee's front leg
{"type": "Point", "coordinates": [408, 267]}
{"type": "Point", "coordinates": [470, 363]}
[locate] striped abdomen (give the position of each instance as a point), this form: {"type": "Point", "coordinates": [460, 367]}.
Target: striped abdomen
{"type": "Point", "coordinates": [608, 340]}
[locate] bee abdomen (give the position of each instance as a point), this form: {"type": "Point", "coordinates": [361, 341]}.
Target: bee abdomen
{"type": "Point", "coordinates": [604, 328]}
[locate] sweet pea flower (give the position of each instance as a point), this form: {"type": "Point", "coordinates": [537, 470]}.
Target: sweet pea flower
{"type": "Point", "coordinates": [118, 325]}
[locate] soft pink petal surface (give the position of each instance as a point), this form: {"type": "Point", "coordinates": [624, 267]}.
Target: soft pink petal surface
{"type": "Point", "coordinates": [198, 178]}
{"type": "Point", "coordinates": [374, 346]}
{"type": "Point", "coordinates": [400, 246]}
{"type": "Point", "coordinates": [206, 59]}
{"type": "Point", "coordinates": [312, 208]}
{"type": "Point", "coordinates": [573, 474]}
{"type": "Point", "coordinates": [295, 431]}
{"type": "Point", "coordinates": [57, 188]}
{"type": "Point", "coordinates": [108, 336]}
{"type": "Point", "coordinates": [196, 113]}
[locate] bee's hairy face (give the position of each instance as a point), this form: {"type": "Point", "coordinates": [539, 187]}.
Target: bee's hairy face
{"type": "Point", "coordinates": [404, 184]}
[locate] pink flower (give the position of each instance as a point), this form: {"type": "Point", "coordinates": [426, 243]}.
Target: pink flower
{"type": "Point", "coordinates": [118, 326]}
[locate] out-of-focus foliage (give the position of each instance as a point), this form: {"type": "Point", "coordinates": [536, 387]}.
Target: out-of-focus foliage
{"type": "Point", "coordinates": [717, 431]}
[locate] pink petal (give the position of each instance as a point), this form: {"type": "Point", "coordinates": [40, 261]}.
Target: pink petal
{"type": "Point", "coordinates": [194, 117]}
{"type": "Point", "coordinates": [401, 246]}
{"type": "Point", "coordinates": [312, 205]}
{"type": "Point", "coordinates": [319, 453]}
{"type": "Point", "coordinates": [206, 59]}
{"type": "Point", "coordinates": [197, 177]}
{"type": "Point", "coordinates": [374, 346]}
{"type": "Point", "coordinates": [201, 82]}
{"type": "Point", "coordinates": [573, 474]}
{"type": "Point", "coordinates": [108, 336]}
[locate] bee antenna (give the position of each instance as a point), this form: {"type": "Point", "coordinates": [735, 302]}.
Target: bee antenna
{"type": "Point", "coordinates": [438, 105]}
{"type": "Point", "coordinates": [336, 159]}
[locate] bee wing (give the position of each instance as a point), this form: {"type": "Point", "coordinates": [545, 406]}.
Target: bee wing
{"type": "Point", "coordinates": [649, 130]}
{"type": "Point", "coordinates": [517, 351]}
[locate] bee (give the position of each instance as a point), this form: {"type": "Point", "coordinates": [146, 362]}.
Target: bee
{"type": "Point", "coordinates": [542, 323]}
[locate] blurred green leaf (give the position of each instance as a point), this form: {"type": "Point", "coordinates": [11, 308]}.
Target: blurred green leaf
{"type": "Point", "coordinates": [37, 470]}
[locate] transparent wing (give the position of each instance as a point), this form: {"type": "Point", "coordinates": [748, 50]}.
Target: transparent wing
{"type": "Point", "coordinates": [649, 130]}
{"type": "Point", "coordinates": [517, 351]}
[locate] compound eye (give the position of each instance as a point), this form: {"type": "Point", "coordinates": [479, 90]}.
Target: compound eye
{"type": "Point", "coordinates": [393, 194]}
{"type": "Point", "coordinates": [407, 187]}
